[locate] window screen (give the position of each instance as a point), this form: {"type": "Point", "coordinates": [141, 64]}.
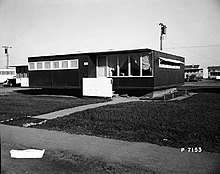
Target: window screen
{"type": "Point", "coordinates": [47, 65]}
{"type": "Point", "coordinates": [31, 66]}
{"type": "Point", "coordinates": [64, 64]}
{"type": "Point", "coordinates": [55, 64]}
{"type": "Point", "coordinates": [74, 63]}
{"type": "Point", "coordinates": [39, 65]}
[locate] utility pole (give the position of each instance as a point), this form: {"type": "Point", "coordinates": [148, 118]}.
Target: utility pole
{"type": "Point", "coordinates": [163, 29]}
{"type": "Point", "coordinates": [7, 55]}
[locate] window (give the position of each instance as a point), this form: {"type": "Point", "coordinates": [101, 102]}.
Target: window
{"type": "Point", "coordinates": [39, 65]}
{"type": "Point", "coordinates": [131, 64]}
{"type": "Point", "coordinates": [123, 65]}
{"type": "Point", "coordinates": [112, 65]}
{"type": "Point", "coordinates": [169, 63]}
{"type": "Point", "coordinates": [47, 65]}
{"type": "Point", "coordinates": [64, 64]}
{"type": "Point", "coordinates": [31, 66]}
{"type": "Point", "coordinates": [55, 64]}
{"type": "Point", "coordinates": [135, 64]}
{"type": "Point", "coordinates": [146, 65]}
{"type": "Point", "coordinates": [74, 64]}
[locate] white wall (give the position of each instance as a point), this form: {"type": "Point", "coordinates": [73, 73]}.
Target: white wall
{"type": "Point", "coordinates": [98, 87]}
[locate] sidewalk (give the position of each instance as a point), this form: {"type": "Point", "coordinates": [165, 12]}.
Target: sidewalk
{"type": "Point", "coordinates": [64, 112]}
{"type": "Point", "coordinates": [69, 111]}
{"type": "Point", "coordinates": [156, 158]}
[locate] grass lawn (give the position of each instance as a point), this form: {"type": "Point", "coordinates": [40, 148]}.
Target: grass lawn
{"type": "Point", "coordinates": [193, 122]}
{"type": "Point", "coordinates": [17, 105]}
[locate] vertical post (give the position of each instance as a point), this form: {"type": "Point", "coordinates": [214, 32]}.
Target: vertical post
{"type": "Point", "coordinates": [118, 66]}
{"type": "Point", "coordinates": [107, 69]}
{"type": "Point", "coordinates": [162, 32]}
{"type": "Point", "coordinates": [161, 38]}
{"type": "Point", "coordinates": [129, 65]}
{"type": "Point", "coordinates": [97, 68]}
{"type": "Point", "coordinates": [141, 64]}
{"type": "Point", "coordinates": [7, 55]}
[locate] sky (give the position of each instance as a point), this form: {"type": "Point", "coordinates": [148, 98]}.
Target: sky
{"type": "Point", "coordinates": [45, 27]}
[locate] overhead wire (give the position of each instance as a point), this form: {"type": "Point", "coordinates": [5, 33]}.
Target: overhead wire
{"type": "Point", "coordinates": [194, 46]}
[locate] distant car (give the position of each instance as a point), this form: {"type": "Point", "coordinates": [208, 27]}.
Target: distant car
{"type": "Point", "coordinates": [10, 83]}
{"type": "Point", "coordinates": [192, 78]}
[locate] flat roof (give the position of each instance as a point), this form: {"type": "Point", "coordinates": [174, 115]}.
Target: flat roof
{"type": "Point", "coordinates": [102, 52]}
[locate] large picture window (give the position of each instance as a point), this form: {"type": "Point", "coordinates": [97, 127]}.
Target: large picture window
{"type": "Point", "coordinates": [123, 65]}
{"type": "Point", "coordinates": [146, 65]}
{"type": "Point", "coordinates": [135, 64]}
{"type": "Point", "coordinates": [112, 65]}
{"type": "Point", "coordinates": [119, 65]}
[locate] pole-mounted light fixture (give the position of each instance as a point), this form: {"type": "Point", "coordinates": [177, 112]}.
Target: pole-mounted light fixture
{"type": "Point", "coordinates": [163, 29]}
{"type": "Point", "coordinates": [7, 54]}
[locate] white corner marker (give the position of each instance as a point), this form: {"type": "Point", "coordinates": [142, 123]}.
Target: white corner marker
{"type": "Point", "coordinates": [28, 153]}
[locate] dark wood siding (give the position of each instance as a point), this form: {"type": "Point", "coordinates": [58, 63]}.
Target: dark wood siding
{"type": "Point", "coordinates": [92, 66]}
{"type": "Point", "coordinates": [139, 83]}
{"type": "Point", "coordinates": [66, 78]}
{"type": "Point", "coordinates": [54, 78]}
{"type": "Point", "coordinates": [165, 77]}
{"type": "Point", "coordinates": [40, 78]}
{"type": "Point", "coordinates": [83, 69]}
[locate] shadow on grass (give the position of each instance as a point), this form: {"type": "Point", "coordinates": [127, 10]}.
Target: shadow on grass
{"type": "Point", "coordinates": [200, 89]}
{"type": "Point", "coordinates": [66, 92]}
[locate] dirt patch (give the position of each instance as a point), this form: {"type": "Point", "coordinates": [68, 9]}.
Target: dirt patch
{"type": "Point", "coordinates": [57, 161]}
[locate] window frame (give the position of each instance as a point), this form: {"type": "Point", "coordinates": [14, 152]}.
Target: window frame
{"type": "Point", "coordinates": [129, 65]}
{"type": "Point", "coordinates": [52, 67]}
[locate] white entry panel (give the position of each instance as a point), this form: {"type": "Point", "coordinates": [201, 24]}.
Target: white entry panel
{"type": "Point", "coordinates": [98, 87]}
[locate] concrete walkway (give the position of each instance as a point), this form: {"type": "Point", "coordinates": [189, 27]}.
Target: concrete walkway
{"type": "Point", "coordinates": [69, 111]}
{"type": "Point", "coordinates": [156, 158]}
{"type": "Point", "coordinates": [117, 100]}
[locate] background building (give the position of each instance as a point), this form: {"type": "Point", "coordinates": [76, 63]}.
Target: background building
{"type": "Point", "coordinates": [22, 75]}
{"type": "Point", "coordinates": [193, 72]}
{"type": "Point", "coordinates": [6, 74]}
{"type": "Point", "coordinates": [213, 72]}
